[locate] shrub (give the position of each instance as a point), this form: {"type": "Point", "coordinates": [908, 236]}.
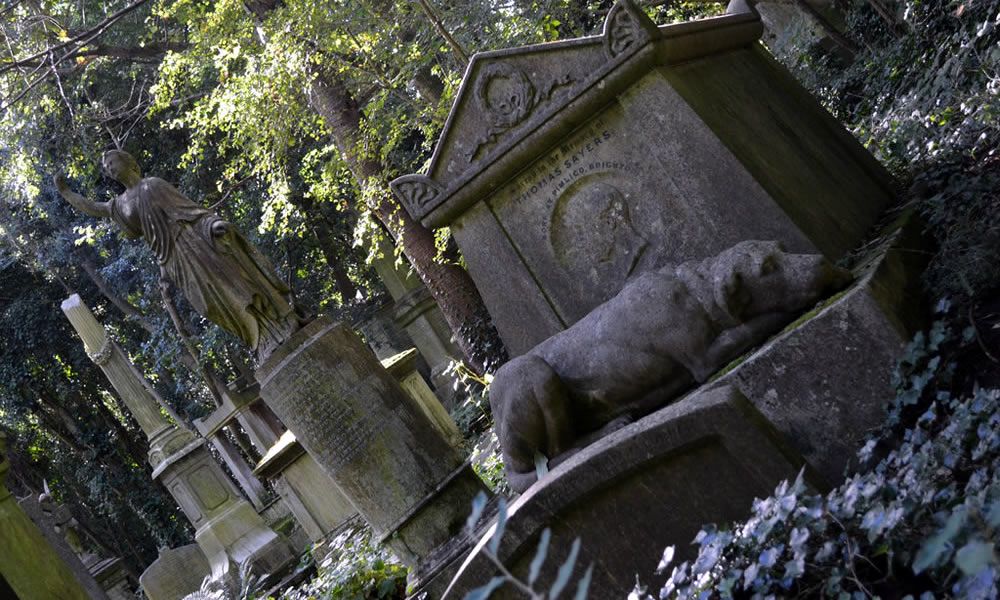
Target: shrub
{"type": "Point", "coordinates": [355, 569]}
{"type": "Point", "coordinates": [922, 520]}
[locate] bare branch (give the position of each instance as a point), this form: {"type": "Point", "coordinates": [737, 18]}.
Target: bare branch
{"type": "Point", "coordinates": [79, 39]}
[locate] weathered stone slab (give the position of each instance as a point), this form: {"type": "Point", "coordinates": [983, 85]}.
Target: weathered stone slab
{"type": "Point", "coordinates": [405, 479]}
{"type": "Point", "coordinates": [825, 382]}
{"type": "Point", "coordinates": [648, 485]}
{"type": "Point", "coordinates": [176, 573]}
{"type": "Point", "coordinates": [566, 168]}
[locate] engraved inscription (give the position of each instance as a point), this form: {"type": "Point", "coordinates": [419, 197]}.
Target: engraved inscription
{"type": "Point", "coordinates": [568, 163]}
{"type": "Point", "coordinates": [333, 430]}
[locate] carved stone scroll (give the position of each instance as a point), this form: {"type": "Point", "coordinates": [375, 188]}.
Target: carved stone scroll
{"type": "Point", "coordinates": [626, 29]}
{"type": "Point", "coordinates": [418, 193]}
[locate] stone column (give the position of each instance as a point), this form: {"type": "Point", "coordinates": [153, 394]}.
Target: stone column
{"type": "Point", "coordinates": [227, 528]}
{"type": "Point", "coordinates": [29, 567]}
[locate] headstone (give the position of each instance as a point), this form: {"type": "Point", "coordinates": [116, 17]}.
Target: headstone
{"type": "Point", "coordinates": [227, 528]}
{"type": "Point", "coordinates": [314, 499]}
{"type": "Point", "coordinates": [566, 168]}
{"type": "Point", "coordinates": [402, 366]}
{"type": "Point", "coordinates": [404, 478]}
{"type": "Point", "coordinates": [56, 525]}
{"type": "Point", "coordinates": [30, 569]}
{"type": "Point", "coordinates": [176, 573]}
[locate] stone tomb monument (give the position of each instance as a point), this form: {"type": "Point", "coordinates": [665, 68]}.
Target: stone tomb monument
{"type": "Point", "coordinates": [566, 168]}
{"type": "Point", "coordinates": [403, 476]}
{"type": "Point", "coordinates": [227, 528]}
{"type": "Point", "coordinates": [677, 195]}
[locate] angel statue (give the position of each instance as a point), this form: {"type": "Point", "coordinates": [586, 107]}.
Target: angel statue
{"type": "Point", "coordinates": [223, 277]}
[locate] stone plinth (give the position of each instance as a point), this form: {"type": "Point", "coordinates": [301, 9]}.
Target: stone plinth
{"type": "Point", "coordinates": [825, 381]}
{"type": "Point", "coordinates": [30, 568]}
{"type": "Point", "coordinates": [811, 393]}
{"type": "Point", "coordinates": [628, 151]}
{"type": "Point", "coordinates": [314, 499]}
{"type": "Point", "coordinates": [353, 418]}
{"type": "Point", "coordinates": [648, 485]}
{"type": "Point", "coordinates": [176, 573]}
{"type": "Point", "coordinates": [227, 528]}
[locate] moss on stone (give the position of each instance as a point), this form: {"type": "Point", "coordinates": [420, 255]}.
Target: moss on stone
{"type": "Point", "coordinates": [791, 326]}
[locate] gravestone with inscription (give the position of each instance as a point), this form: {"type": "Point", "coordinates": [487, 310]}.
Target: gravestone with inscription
{"type": "Point", "coordinates": [380, 448]}
{"type": "Point", "coordinates": [176, 573]}
{"type": "Point", "coordinates": [227, 528]}
{"type": "Point", "coordinates": [566, 168]}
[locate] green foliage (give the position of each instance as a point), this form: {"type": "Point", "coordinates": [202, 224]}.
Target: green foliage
{"type": "Point", "coordinates": [354, 569]}
{"type": "Point", "coordinates": [924, 100]}
{"type": "Point", "coordinates": [916, 96]}
{"type": "Point", "coordinates": [487, 462]}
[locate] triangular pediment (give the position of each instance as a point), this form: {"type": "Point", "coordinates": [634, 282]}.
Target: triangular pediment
{"type": "Point", "coordinates": [508, 94]}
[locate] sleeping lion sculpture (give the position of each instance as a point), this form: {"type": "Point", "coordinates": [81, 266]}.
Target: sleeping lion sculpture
{"type": "Point", "coordinates": [666, 331]}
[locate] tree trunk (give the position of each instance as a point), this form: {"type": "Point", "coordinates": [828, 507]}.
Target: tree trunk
{"type": "Point", "coordinates": [324, 237]}
{"type": "Point", "coordinates": [451, 285]}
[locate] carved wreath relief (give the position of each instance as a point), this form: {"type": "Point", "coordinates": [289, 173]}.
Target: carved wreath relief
{"type": "Point", "coordinates": [507, 98]}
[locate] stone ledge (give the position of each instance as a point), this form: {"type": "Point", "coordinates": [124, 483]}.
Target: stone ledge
{"type": "Point", "coordinates": [650, 484]}
{"type": "Point", "coordinates": [825, 381]}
